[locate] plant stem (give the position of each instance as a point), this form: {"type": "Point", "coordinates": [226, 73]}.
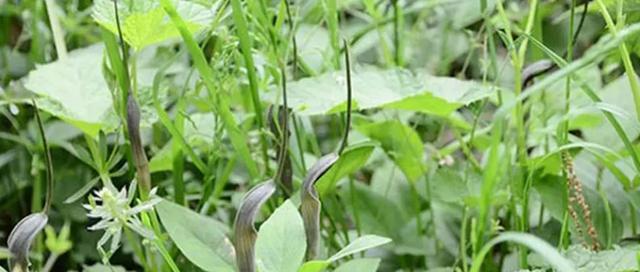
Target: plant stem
{"type": "Point", "coordinates": [58, 35]}
{"type": "Point", "coordinates": [624, 54]}
{"type": "Point", "coordinates": [331, 17]}
{"type": "Point", "coordinates": [398, 29]}
{"type": "Point", "coordinates": [246, 46]}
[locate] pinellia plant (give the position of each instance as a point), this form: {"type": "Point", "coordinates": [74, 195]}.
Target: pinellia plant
{"type": "Point", "coordinates": [216, 135]}
{"type": "Point", "coordinates": [23, 234]}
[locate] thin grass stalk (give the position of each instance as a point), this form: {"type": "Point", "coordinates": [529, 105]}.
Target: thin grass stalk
{"type": "Point", "coordinates": [246, 46]}
{"type": "Point", "coordinates": [624, 54]}
{"type": "Point", "coordinates": [331, 17]}
{"type": "Point", "coordinates": [567, 69]}
{"type": "Point", "coordinates": [398, 30]}
{"type": "Point", "coordinates": [237, 136]}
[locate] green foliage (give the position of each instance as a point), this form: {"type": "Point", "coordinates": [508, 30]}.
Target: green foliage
{"type": "Point", "coordinates": [455, 147]}
{"type": "Point", "coordinates": [401, 143]}
{"type": "Point", "coordinates": [393, 89]}
{"type": "Point", "coordinates": [352, 159]}
{"type": "Point", "coordinates": [208, 248]}
{"type": "Point", "coordinates": [281, 241]}
{"type": "Point", "coordinates": [144, 22]}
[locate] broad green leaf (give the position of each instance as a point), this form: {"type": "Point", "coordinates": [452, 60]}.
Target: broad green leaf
{"type": "Point", "coordinates": [378, 215]}
{"type": "Point", "coordinates": [553, 194]}
{"type": "Point", "coordinates": [360, 244]}
{"type": "Point", "coordinates": [162, 160]}
{"type": "Point", "coordinates": [314, 266]}
{"type": "Point", "coordinates": [615, 93]}
{"type": "Point", "coordinates": [2, 269]}
{"type": "Point", "coordinates": [359, 265]}
{"type": "Point", "coordinates": [396, 89]}
{"type": "Point", "coordinates": [201, 239]}
{"type": "Point", "coordinates": [281, 243]}
{"type": "Point", "coordinates": [401, 143]}
{"type": "Point", "coordinates": [352, 159]}
{"type": "Point", "coordinates": [144, 22]}
{"type": "Point", "coordinates": [616, 259]}
{"type": "Point", "coordinates": [448, 185]}
{"type": "Point", "coordinates": [74, 90]}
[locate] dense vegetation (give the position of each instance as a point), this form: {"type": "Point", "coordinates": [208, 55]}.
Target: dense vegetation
{"type": "Point", "coordinates": [319, 135]}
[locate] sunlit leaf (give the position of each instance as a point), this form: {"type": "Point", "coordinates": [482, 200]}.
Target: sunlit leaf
{"type": "Point", "coordinates": [145, 23]}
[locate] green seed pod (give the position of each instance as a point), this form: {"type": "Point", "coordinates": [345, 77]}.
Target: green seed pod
{"type": "Point", "coordinates": [245, 232]}
{"type": "Point", "coordinates": [21, 237]}
{"type": "Point", "coordinates": [310, 205]}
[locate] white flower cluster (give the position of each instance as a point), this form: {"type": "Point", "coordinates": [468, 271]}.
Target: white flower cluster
{"type": "Point", "coordinates": [115, 212]}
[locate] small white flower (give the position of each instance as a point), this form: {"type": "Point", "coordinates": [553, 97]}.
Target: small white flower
{"type": "Point", "coordinates": [115, 213]}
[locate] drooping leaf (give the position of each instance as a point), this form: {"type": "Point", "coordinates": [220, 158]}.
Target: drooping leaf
{"type": "Point", "coordinates": [546, 251]}
{"type": "Point", "coordinates": [202, 240]}
{"type": "Point", "coordinates": [396, 89]}
{"type": "Point", "coordinates": [358, 245]}
{"type": "Point", "coordinates": [145, 23]}
{"type": "Point", "coordinates": [359, 265]}
{"type": "Point", "coordinates": [401, 143]}
{"type": "Point", "coordinates": [281, 243]}
{"type": "Point", "coordinates": [353, 158]}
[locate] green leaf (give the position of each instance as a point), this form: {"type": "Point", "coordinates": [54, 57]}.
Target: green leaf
{"type": "Point", "coordinates": [352, 159]}
{"type": "Point", "coordinates": [617, 259]}
{"type": "Point", "coordinates": [359, 265]}
{"type": "Point", "coordinates": [396, 89]}
{"type": "Point", "coordinates": [378, 214]}
{"type": "Point", "coordinates": [314, 266]}
{"type": "Point", "coordinates": [361, 244]}
{"type": "Point", "coordinates": [546, 251]}
{"type": "Point", "coordinates": [74, 90]}
{"type": "Point", "coordinates": [162, 160]}
{"type": "Point", "coordinates": [401, 143]}
{"type": "Point", "coordinates": [144, 22]}
{"type": "Point", "coordinates": [201, 239]}
{"type": "Point", "coordinates": [553, 194]}
{"type": "Point", "coordinates": [281, 242]}
{"type": "Point", "coordinates": [615, 93]}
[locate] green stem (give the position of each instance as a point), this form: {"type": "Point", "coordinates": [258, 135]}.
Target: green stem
{"type": "Point", "coordinates": [331, 17]}
{"type": "Point", "coordinates": [624, 54]}
{"type": "Point", "coordinates": [246, 46]}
